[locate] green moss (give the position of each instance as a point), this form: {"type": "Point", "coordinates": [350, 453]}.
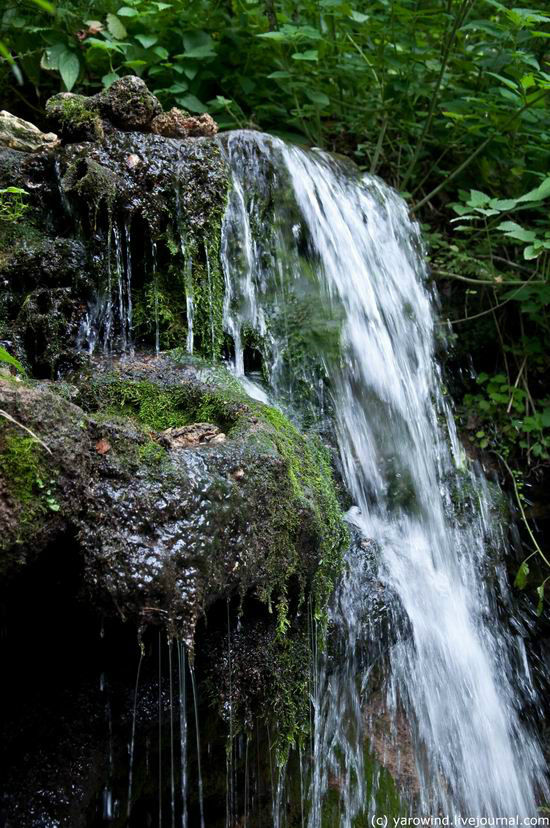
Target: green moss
{"type": "Point", "coordinates": [381, 790]}
{"type": "Point", "coordinates": [312, 483]}
{"type": "Point", "coordinates": [93, 183]}
{"type": "Point", "coordinates": [74, 117]}
{"type": "Point", "coordinates": [26, 476]}
{"type": "Point", "coordinates": [158, 408]}
{"type": "Point", "coordinates": [151, 454]}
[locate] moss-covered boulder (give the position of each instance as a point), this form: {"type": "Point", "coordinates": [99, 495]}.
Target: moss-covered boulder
{"type": "Point", "coordinates": [74, 118]}
{"type": "Point", "coordinates": [128, 104]}
{"type": "Point", "coordinates": [169, 530]}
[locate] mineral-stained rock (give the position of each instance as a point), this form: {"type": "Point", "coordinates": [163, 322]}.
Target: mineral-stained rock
{"type": "Point", "coordinates": [17, 134]}
{"type": "Point", "coordinates": [198, 434]}
{"type": "Point", "coordinates": [179, 124]}
{"type": "Point", "coordinates": [127, 104]}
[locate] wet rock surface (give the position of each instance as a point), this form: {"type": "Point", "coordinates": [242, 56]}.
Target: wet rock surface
{"type": "Point", "coordinates": [109, 187]}
{"type": "Point", "coordinates": [171, 519]}
{"type": "Point", "coordinates": [109, 523]}
{"type": "Point", "coordinates": [144, 499]}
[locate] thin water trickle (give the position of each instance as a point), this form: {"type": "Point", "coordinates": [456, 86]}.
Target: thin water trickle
{"type": "Point", "coordinates": [183, 731]}
{"type": "Point", "coordinates": [230, 780]}
{"type": "Point", "coordinates": [339, 267]}
{"type": "Point", "coordinates": [198, 740]}
{"type": "Point", "coordinates": [160, 729]}
{"type": "Point", "coordinates": [172, 765]}
{"type": "Point", "coordinates": [133, 736]}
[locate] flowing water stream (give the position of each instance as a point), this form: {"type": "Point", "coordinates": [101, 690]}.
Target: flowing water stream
{"type": "Point", "coordinates": [327, 268]}
{"type": "Point", "coordinates": [324, 268]}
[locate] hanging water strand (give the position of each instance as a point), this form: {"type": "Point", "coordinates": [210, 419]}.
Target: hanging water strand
{"type": "Point", "coordinates": [133, 734]}
{"type": "Point", "coordinates": [183, 732]}
{"type": "Point", "coordinates": [198, 740]}
{"type": "Point", "coordinates": [155, 295]}
{"type": "Point", "coordinates": [128, 270]}
{"type": "Point", "coordinates": [341, 251]}
{"type": "Point", "coordinates": [230, 781]}
{"type": "Point", "coordinates": [172, 768]}
{"type": "Point", "coordinates": [160, 728]}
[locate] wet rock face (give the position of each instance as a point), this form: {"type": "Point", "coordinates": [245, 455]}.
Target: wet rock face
{"type": "Point", "coordinates": [171, 519]}
{"type": "Point", "coordinates": [112, 183]}
{"type": "Point", "coordinates": [172, 492]}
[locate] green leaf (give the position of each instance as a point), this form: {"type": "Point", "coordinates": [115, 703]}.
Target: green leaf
{"type": "Point", "coordinates": [192, 103]}
{"type": "Point", "coordinates": [280, 36]}
{"type": "Point", "coordinates": [147, 40]}
{"type": "Point", "coordinates": [310, 54]}
{"type": "Point", "coordinates": [10, 360]}
{"type": "Point", "coordinates": [317, 97]}
{"type": "Point", "coordinates": [540, 593]}
{"type": "Point", "coordinates": [539, 193]}
{"type": "Point", "coordinates": [515, 231]}
{"type": "Point", "coordinates": [116, 27]}
{"type": "Point", "coordinates": [69, 68]}
{"type": "Point", "coordinates": [478, 199]}
{"type": "Point", "coordinates": [107, 80]}
{"type": "Point", "coordinates": [530, 252]}
{"type": "Point", "coordinates": [200, 52]}
{"type": "Point", "coordinates": [521, 577]}
{"type": "Point", "coordinates": [359, 17]}
{"type": "Point", "coordinates": [503, 203]}
{"type": "Point", "coordinates": [50, 57]}
{"type": "Point", "coordinates": [126, 11]}
{"type": "Point", "coordinates": [105, 45]}
{"type": "Point", "coordinates": [44, 4]}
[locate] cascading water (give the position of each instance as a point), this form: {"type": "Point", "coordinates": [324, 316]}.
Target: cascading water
{"type": "Point", "coordinates": [326, 267]}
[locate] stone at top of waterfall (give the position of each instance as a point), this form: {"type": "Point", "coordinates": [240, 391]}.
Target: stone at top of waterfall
{"type": "Point", "coordinates": [128, 104]}
{"type": "Point", "coordinates": [75, 117]}
{"type": "Point", "coordinates": [177, 123]}
{"type": "Point", "coordinates": [190, 436]}
{"type": "Point", "coordinates": [17, 134]}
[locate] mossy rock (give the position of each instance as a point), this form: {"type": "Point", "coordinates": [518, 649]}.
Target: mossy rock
{"type": "Point", "coordinates": [74, 117]}
{"type": "Point", "coordinates": [168, 532]}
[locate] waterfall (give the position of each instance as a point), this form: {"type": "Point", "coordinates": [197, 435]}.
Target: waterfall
{"type": "Point", "coordinates": [326, 267]}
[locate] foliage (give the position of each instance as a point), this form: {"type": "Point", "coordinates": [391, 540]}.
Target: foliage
{"type": "Point", "coordinates": [12, 204]}
{"type": "Point", "coordinates": [26, 475]}
{"type": "Point", "coordinates": [7, 359]}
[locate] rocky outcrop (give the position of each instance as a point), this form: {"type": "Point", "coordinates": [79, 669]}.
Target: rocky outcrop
{"type": "Point", "coordinates": [179, 124]}
{"type": "Point", "coordinates": [20, 135]}
{"type": "Point", "coordinates": [109, 195]}
{"type": "Point", "coordinates": [128, 105]}
{"type": "Point", "coordinates": [150, 510]}
{"type": "Point", "coordinates": [171, 513]}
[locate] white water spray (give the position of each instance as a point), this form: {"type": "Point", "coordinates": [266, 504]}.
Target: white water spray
{"type": "Point", "coordinates": [315, 253]}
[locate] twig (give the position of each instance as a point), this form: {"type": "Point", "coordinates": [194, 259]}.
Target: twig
{"type": "Point", "coordinates": [493, 282]}
{"type": "Point", "coordinates": [476, 152]}
{"type": "Point", "coordinates": [515, 384]}
{"type": "Point", "coordinates": [33, 435]}
{"type": "Point", "coordinates": [493, 308]}
{"type": "Point", "coordinates": [521, 509]}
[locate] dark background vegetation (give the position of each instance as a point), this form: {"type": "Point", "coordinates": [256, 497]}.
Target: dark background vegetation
{"type": "Point", "coordinates": [447, 101]}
